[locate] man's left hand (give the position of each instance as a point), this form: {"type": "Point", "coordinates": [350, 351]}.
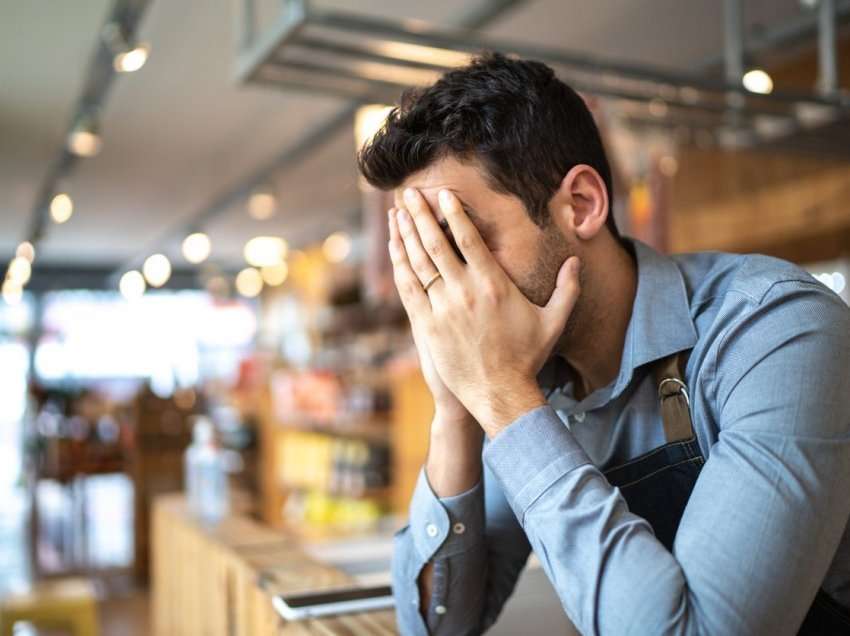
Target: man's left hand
{"type": "Point", "coordinates": [486, 339]}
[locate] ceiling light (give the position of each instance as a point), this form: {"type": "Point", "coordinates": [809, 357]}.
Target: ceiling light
{"type": "Point", "coordinates": [262, 251]}
{"type": "Point", "coordinates": [12, 293]}
{"type": "Point", "coordinates": [19, 271]}
{"type": "Point", "coordinates": [368, 121]}
{"type": "Point", "coordinates": [132, 59]}
{"type": "Point", "coordinates": [262, 204]}
{"type": "Point", "coordinates": [274, 275]}
{"type": "Point", "coordinates": [26, 250]}
{"type": "Point", "coordinates": [249, 282]}
{"type": "Point", "coordinates": [132, 285]}
{"type": "Point", "coordinates": [337, 247]}
{"type": "Point", "coordinates": [157, 270]}
{"type": "Point", "coordinates": [61, 207]}
{"type": "Point", "coordinates": [84, 140]}
{"type": "Point", "coordinates": [757, 81]}
{"type": "Point", "coordinates": [196, 247]}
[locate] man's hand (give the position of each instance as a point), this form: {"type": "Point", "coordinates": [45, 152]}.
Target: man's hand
{"type": "Point", "coordinates": [447, 408]}
{"type": "Point", "coordinates": [487, 341]}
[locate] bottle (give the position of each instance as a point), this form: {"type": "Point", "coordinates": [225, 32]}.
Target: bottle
{"type": "Point", "coordinates": [206, 478]}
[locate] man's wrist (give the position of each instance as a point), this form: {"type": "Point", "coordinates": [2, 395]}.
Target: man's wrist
{"type": "Point", "coordinates": [504, 407]}
{"type": "Point", "coordinates": [454, 455]}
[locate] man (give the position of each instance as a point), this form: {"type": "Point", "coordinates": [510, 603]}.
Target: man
{"type": "Point", "coordinates": [671, 436]}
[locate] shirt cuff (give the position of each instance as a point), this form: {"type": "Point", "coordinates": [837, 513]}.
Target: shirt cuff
{"type": "Point", "coordinates": [531, 454]}
{"type": "Point", "coordinates": [447, 526]}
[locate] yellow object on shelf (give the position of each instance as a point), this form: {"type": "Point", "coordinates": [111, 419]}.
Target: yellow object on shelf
{"type": "Point", "coordinates": [65, 603]}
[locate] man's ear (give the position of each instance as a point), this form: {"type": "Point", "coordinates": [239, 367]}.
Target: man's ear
{"type": "Point", "coordinates": [583, 192]}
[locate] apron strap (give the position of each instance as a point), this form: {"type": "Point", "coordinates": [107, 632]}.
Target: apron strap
{"type": "Point", "coordinates": [673, 394]}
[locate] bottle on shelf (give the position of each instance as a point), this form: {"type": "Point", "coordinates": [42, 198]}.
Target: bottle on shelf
{"type": "Point", "coordinates": [206, 477]}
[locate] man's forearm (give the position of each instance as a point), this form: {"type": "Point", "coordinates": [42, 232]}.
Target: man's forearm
{"type": "Point", "coordinates": [453, 466]}
{"type": "Point", "coordinates": [454, 456]}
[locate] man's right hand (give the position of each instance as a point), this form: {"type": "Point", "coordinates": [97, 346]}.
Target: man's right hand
{"type": "Point", "coordinates": [454, 454]}
{"type": "Point", "coordinates": [447, 407]}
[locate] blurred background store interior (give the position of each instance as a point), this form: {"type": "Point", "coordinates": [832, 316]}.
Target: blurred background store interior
{"type": "Point", "coordinates": [184, 235]}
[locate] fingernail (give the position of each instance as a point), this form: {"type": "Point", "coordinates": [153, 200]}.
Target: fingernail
{"type": "Point", "coordinates": [574, 263]}
{"type": "Point", "coordinates": [403, 217]}
{"type": "Point", "coordinates": [409, 195]}
{"type": "Point", "coordinates": [445, 197]}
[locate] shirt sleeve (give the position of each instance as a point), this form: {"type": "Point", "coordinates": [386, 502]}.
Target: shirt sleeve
{"type": "Point", "coordinates": [478, 550]}
{"type": "Point", "coordinates": [767, 512]}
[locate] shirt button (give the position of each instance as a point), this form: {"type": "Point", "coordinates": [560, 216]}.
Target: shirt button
{"type": "Point", "coordinates": [459, 528]}
{"type": "Point", "coordinates": [414, 602]}
{"type": "Point", "coordinates": [440, 609]}
{"type": "Point", "coordinates": [431, 530]}
{"type": "Point", "coordinates": [579, 417]}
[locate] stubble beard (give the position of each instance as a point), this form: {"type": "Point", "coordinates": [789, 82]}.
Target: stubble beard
{"type": "Point", "coordinates": [539, 284]}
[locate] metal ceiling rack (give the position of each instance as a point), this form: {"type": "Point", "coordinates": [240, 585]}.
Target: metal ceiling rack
{"type": "Point", "coordinates": [373, 59]}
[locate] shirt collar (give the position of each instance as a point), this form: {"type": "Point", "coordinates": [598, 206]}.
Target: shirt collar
{"type": "Point", "coordinates": [660, 324]}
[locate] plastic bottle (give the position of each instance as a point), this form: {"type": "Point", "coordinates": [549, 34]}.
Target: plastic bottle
{"type": "Point", "coordinates": [206, 479]}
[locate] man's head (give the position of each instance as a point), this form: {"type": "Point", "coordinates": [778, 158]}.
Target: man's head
{"type": "Point", "coordinates": [521, 151]}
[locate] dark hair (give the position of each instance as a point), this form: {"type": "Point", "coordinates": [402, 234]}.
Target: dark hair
{"type": "Point", "coordinates": [525, 127]}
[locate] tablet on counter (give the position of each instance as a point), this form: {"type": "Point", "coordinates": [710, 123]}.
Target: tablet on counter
{"type": "Point", "coordinates": [298, 607]}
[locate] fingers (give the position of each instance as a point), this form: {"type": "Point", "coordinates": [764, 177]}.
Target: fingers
{"type": "Point", "coordinates": [418, 258]}
{"type": "Point", "coordinates": [413, 297]}
{"type": "Point", "coordinates": [466, 235]}
{"type": "Point", "coordinates": [433, 241]}
{"type": "Point", "coordinates": [563, 299]}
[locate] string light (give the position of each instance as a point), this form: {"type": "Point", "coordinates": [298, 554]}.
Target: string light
{"type": "Point", "coordinates": [26, 250]}
{"type": "Point", "coordinates": [262, 204]}
{"type": "Point", "coordinates": [337, 247]}
{"type": "Point", "coordinates": [132, 285]}
{"type": "Point", "coordinates": [61, 207]}
{"type": "Point", "coordinates": [157, 270]}
{"type": "Point", "coordinates": [196, 247]}
{"type": "Point", "coordinates": [262, 251]}
{"type": "Point", "coordinates": [19, 271]}
{"type": "Point", "coordinates": [249, 282]}
{"type": "Point", "coordinates": [274, 275]}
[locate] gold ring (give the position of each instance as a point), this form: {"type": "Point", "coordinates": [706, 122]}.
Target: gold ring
{"type": "Point", "coordinates": [431, 281]}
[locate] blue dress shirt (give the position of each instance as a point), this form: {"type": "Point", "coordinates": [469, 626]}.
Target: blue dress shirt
{"type": "Point", "coordinates": [767, 522]}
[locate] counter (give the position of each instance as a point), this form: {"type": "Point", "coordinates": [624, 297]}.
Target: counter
{"type": "Point", "coordinates": [219, 581]}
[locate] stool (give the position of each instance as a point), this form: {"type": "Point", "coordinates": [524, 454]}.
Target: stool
{"type": "Point", "coordinates": [64, 603]}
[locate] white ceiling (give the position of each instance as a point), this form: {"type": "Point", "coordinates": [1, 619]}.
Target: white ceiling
{"type": "Point", "coordinates": [180, 131]}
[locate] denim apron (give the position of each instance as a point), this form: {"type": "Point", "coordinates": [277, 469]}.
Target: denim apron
{"type": "Point", "coordinates": [658, 484]}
